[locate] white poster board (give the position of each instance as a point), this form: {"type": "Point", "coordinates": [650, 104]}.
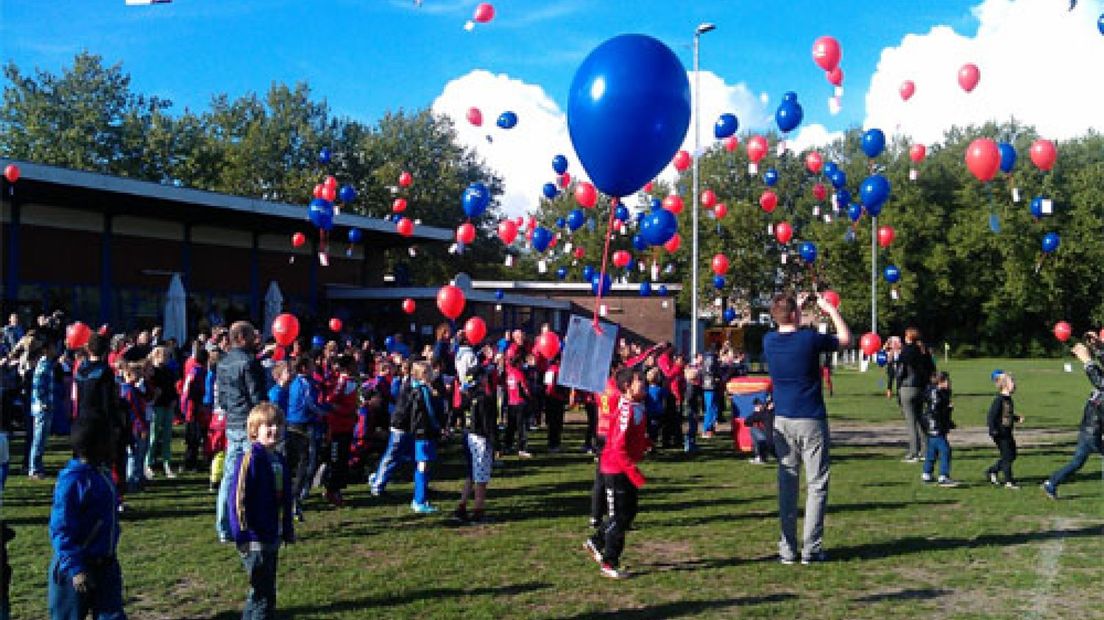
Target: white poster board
{"type": "Point", "coordinates": [587, 354]}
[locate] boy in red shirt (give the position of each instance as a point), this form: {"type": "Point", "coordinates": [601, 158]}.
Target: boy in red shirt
{"type": "Point", "coordinates": [517, 402]}
{"type": "Point", "coordinates": [625, 447]}
{"type": "Point", "coordinates": [341, 421]}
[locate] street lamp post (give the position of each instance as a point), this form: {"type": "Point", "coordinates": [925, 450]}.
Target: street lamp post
{"type": "Point", "coordinates": [701, 29]}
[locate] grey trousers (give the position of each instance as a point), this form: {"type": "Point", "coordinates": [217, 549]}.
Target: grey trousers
{"type": "Point", "coordinates": [912, 399]}
{"type": "Point", "coordinates": [797, 441]}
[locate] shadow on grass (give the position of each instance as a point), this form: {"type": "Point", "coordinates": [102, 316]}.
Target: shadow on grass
{"type": "Point", "coordinates": [685, 608]}
{"type": "Point", "coordinates": [904, 595]}
{"type": "Point", "coordinates": [915, 544]}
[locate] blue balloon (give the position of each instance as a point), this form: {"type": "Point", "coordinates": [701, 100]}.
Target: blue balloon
{"type": "Point", "coordinates": [588, 273]}
{"type": "Point", "coordinates": [561, 273]}
{"type": "Point", "coordinates": [324, 155]}
{"type": "Point", "coordinates": [881, 358]}
{"type": "Point", "coordinates": [1100, 24]}
{"type": "Point", "coordinates": [1007, 157]}
{"type": "Point", "coordinates": [645, 289]}
{"type": "Point", "coordinates": [830, 168]}
{"type": "Point", "coordinates": [1051, 241]}
{"type": "Point", "coordinates": [559, 164]}
{"type": "Point", "coordinates": [475, 199]}
{"type": "Point", "coordinates": [662, 290]}
{"type": "Point", "coordinates": [348, 193]}
{"type": "Point", "coordinates": [1037, 207]}
{"type": "Point", "coordinates": [854, 211]}
{"type": "Point", "coordinates": [507, 120]}
{"type": "Point", "coordinates": [808, 251]}
{"type": "Point", "coordinates": [601, 281]}
{"type": "Point", "coordinates": [321, 213]}
{"type": "Point", "coordinates": [770, 177]}
{"type": "Point", "coordinates": [729, 315]}
{"type": "Point", "coordinates": [725, 126]}
{"type": "Point", "coordinates": [356, 235]}
{"type": "Point", "coordinates": [718, 282]}
{"type": "Point", "coordinates": [838, 178]}
{"type": "Point", "coordinates": [550, 191]}
{"type": "Point", "coordinates": [874, 192]}
{"type": "Point", "coordinates": [658, 226]}
{"type": "Point", "coordinates": [874, 211]}
{"type": "Point", "coordinates": [499, 294]}
{"type": "Point", "coordinates": [656, 203]}
{"type": "Point", "coordinates": [640, 216]}
{"type": "Point", "coordinates": [630, 265]}
{"type": "Point", "coordinates": [873, 142]}
{"type": "Point", "coordinates": [638, 241]}
{"type": "Point", "coordinates": [789, 113]}
{"type": "Point", "coordinates": [318, 342]}
{"type": "Point", "coordinates": [843, 196]}
{"type": "Point", "coordinates": [891, 273]}
{"type": "Point", "coordinates": [560, 222]}
{"type": "Point", "coordinates": [631, 90]}
{"type": "Point", "coordinates": [503, 344]}
{"type": "Point", "coordinates": [575, 219]}
{"type": "Point", "coordinates": [621, 213]}
{"type": "Point", "coordinates": [542, 237]}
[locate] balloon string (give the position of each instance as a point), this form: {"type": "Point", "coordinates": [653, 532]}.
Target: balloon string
{"type": "Point", "coordinates": [605, 263]}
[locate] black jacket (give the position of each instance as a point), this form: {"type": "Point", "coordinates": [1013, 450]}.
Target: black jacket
{"type": "Point", "coordinates": [1002, 417]}
{"type": "Point", "coordinates": [915, 368]}
{"type": "Point", "coordinates": [241, 386]}
{"type": "Point", "coordinates": [484, 418]}
{"type": "Point", "coordinates": [414, 412]}
{"type": "Point", "coordinates": [1092, 421]}
{"type": "Point", "coordinates": [98, 395]}
{"type": "Point", "coordinates": [937, 412]}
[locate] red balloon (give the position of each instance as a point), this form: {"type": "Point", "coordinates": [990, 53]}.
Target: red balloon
{"type": "Point", "coordinates": [547, 344]}
{"type": "Point", "coordinates": [475, 117]}
{"type": "Point", "coordinates": [298, 239]}
{"type": "Point", "coordinates": [450, 301]}
{"type": "Point", "coordinates": [565, 179]}
{"type": "Point", "coordinates": [1062, 331]}
{"type": "Point", "coordinates": [317, 193]}
{"type": "Point", "coordinates": [405, 227]}
{"type": "Point", "coordinates": [983, 159]}
{"type": "Point", "coordinates": [399, 205]}
{"type": "Point", "coordinates": [285, 329]}
{"type": "Point", "coordinates": [756, 148]}
{"type": "Point", "coordinates": [719, 264]}
{"type": "Point", "coordinates": [768, 200]}
{"type": "Point", "coordinates": [336, 325]}
{"type": "Point", "coordinates": [409, 306]}
{"type": "Point", "coordinates": [484, 13]}
{"type": "Point", "coordinates": [465, 233]}
{"type": "Point", "coordinates": [835, 76]}
{"type": "Point", "coordinates": [621, 258]}
{"type": "Point", "coordinates": [826, 53]}
{"type": "Point", "coordinates": [783, 232]}
{"type": "Point", "coordinates": [11, 173]}
{"type": "Point", "coordinates": [831, 297]}
{"type": "Point", "coordinates": [968, 77]}
{"type": "Point", "coordinates": [885, 236]}
{"type": "Point", "coordinates": [507, 231]}
{"type": "Point", "coordinates": [77, 334]}
{"type": "Point", "coordinates": [814, 162]}
{"type": "Point", "coordinates": [907, 89]}
{"type": "Point", "coordinates": [708, 199]}
{"type": "Point", "coordinates": [720, 210]}
{"type": "Point", "coordinates": [731, 143]}
{"type": "Point", "coordinates": [586, 195]}
{"type": "Point", "coordinates": [579, 252]}
{"type": "Point", "coordinates": [917, 153]}
{"type": "Point", "coordinates": [819, 191]}
{"type": "Point", "coordinates": [475, 329]}
{"type": "Point", "coordinates": [329, 194]}
{"type": "Point", "coordinates": [406, 179]}
{"type": "Point", "coordinates": [673, 243]}
{"type": "Point", "coordinates": [330, 181]}
{"type": "Point", "coordinates": [681, 161]}
{"type": "Point", "coordinates": [279, 354]}
{"type": "Point", "coordinates": [673, 203]}
{"type": "Point", "coordinates": [1043, 154]}
{"type": "Point", "coordinates": [870, 343]}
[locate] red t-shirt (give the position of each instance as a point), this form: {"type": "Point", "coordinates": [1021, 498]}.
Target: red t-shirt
{"type": "Point", "coordinates": [608, 402]}
{"type": "Point", "coordinates": [342, 418]}
{"type": "Point", "coordinates": [517, 392]}
{"type": "Point", "coordinates": [626, 443]}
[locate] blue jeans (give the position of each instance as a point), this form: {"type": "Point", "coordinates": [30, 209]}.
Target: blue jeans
{"type": "Point", "coordinates": [42, 421]}
{"type": "Point", "coordinates": [260, 564]}
{"type": "Point", "coordinates": [104, 601]}
{"type": "Point", "coordinates": [938, 445]}
{"type": "Point", "coordinates": [1085, 447]}
{"type": "Point", "coordinates": [400, 449]}
{"type": "Point", "coordinates": [759, 442]}
{"type": "Point", "coordinates": [237, 442]}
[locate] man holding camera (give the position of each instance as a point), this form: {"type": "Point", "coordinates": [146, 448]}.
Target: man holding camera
{"type": "Point", "coordinates": [1089, 436]}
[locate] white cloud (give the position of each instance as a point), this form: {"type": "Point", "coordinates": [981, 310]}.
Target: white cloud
{"type": "Point", "coordinates": [812, 137]}
{"type": "Point", "coordinates": [1039, 64]}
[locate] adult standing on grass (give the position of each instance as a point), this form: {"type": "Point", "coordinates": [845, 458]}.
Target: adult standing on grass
{"type": "Point", "coordinates": [240, 387]}
{"type": "Point", "coordinates": [1090, 436]}
{"type": "Point", "coordinates": [915, 370]}
{"type": "Point", "coordinates": [801, 420]}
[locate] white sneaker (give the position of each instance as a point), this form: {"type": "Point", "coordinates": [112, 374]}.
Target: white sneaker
{"type": "Point", "coordinates": [927, 478]}
{"type": "Point", "coordinates": [169, 472]}
{"type": "Point", "coordinates": [946, 481]}
{"type": "Point", "coordinates": [613, 573]}
{"type": "Point", "coordinates": [149, 473]}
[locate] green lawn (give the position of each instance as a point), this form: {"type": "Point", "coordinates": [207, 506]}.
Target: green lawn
{"type": "Point", "coordinates": [704, 544]}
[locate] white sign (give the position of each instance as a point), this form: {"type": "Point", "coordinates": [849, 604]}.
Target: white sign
{"type": "Point", "coordinates": [587, 354]}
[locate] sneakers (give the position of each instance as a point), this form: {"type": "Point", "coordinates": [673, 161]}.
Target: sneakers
{"type": "Point", "coordinates": [149, 473]}
{"type": "Point", "coordinates": [613, 572]}
{"type": "Point", "coordinates": [595, 553]}
{"type": "Point", "coordinates": [372, 487]}
{"type": "Point", "coordinates": [925, 477]}
{"type": "Point", "coordinates": [169, 472]}
{"type": "Point", "coordinates": [993, 480]}
{"type": "Point", "coordinates": [1011, 485]}
{"type": "Point", "coordinates": [910, 459]}
{"type": "Point", "coordinates": [423, 509]}
{"type": "Point", "coordinates": [522, 454]}
{"type": "Point", "coordinates": [594, 523]}
{"type": "Point", "coordinates": [1050, 491]}
{"type": "Point", "coordinates": [947, 482]}
{"type": "Point", "coordinates": [756, 461]}
{"type": "Point", "coordinates": [785, 560]}
{"type": "Point", "coordinates": [815, 558]}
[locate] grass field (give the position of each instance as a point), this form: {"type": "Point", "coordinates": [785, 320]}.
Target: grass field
{"type": "Point", "coordinates": [704, 543]}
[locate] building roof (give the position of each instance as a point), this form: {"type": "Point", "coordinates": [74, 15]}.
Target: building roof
{"type": "Point", "coordinates": [39, 182]}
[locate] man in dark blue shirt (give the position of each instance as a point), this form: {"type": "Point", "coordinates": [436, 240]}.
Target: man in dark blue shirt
{"type": "Point", "coordinates": [801, 421]}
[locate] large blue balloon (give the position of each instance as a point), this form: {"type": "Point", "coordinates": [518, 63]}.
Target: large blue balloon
{"type": "Point", "coordinates": [770, 177]}
{"type": "Point", "coordinates": [658, 226]}
{"type": "Point", "coordinates": [321, 213]}
{"type": "Point", "coordinates": [1051, 240]}
{"type": "Point", "coordinates": [601, 281]}
{"type": "Point", "coordinates": [1007, 157]}
{"type": "Point", "coordinates": [542, 237]}
{"type": "Point", "coordinates": [718, 282]}
{"type": "Point", "coordinates": [874, 193]}
{"type": "Point", "coordinates": [475, 199]}
{"type": "Point", "coordinates": [892, 274]}
{"type": "Point", "coordinates": [356, 235]}
{"type": "Point", "coordinates": [559, 164]}
{"type": "Point", "coordinates": [789, 113]}
{"type": "Point", "coordinates": [854, 211]}
{"type": "Point", "coordinates": [838, 178]}
{"type": "Point", "coordinates": [645, 289]}
{"type": "Point", "coordinates": [627, 112]}
{"type": "Point", "coordinates": [575, 219]}
{"type": "Point", "coordinates": [725, 126]}
{"type": "Point", "coordinates": [808, 251]}
{"type": "Point", "coordinates": [347, 194]}
{"type": "Point", "coordinates": [507, 120]}
{"type": "Point", "coordinates": [549, 190]}
{"type": "Point", "coordinates": [638, 241]}
{"type": "Point", "coordinates": [873, 142]}
{"type": "Point", "coordinates": [588, 272]}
